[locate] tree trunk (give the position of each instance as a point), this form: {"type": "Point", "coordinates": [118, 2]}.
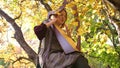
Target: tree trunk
{"type": "Point", "coordinates": [19, 37]}
{"type": "Point", "coordinates": [116, 5]}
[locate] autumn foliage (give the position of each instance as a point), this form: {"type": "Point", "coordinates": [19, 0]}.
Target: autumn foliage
{"type": "Point", "coordinates": [93, 24]}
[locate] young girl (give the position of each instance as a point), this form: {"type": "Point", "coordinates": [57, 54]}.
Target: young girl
{"type": "Point", "coordinates": [56, 52]}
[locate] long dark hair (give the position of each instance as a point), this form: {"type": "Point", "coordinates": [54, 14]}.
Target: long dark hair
{"type": "Point", "coordinates": [65, 16]}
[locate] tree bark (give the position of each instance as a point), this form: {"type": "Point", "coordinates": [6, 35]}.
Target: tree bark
{"type": "Point", "coordinates": [19, 37]}
{"type": "Point", "coordinates": [47, 7]}
{"type": "Point", "coordinates": [113, 21]}
{"type": "Point", "coordinates": [115, 4]}
{"type": "Point", "coordinates": [74, 8]}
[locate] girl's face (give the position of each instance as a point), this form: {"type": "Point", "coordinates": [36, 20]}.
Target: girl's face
{"type": "Point", "coordinates": [61, 18]}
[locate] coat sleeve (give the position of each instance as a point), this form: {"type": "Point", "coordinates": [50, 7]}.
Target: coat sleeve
{"type": "Point", "coordinates": [40, 31]}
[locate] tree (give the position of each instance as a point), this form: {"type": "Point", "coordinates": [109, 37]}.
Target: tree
{"type": "Point", "coordinates": [33, 56]}
{"type": "Point", "coordinates": [93, 25]}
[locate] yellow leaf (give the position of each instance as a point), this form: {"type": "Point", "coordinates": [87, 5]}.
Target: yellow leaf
{"type": "Point", "coordinates": [103, 38]}
{"type": "Point", "coordinates": [1, 66]}
{"type": "Point", "coordinates": [95, 41]}
{"type": "Point", "coordinates": [91, 1]}
{"type": "Point", "coordinates": [81, 31]}
{"type": "Point", "coordinates": [87, 23]}
{"type": "Point", "coordinates": [75, 23]}
{"type": "Point", "coordinates": [71, 4]}
{"type": "Point", "coordinates": [6, 57]}
{"type": "Point", "coordinates": [108, 32]}
{"type": "Point", "coordinates": [74, 12]}
{"type": "Point", "coordinates": [112, 13]}
{"type": "Point", "coordinates": [76, 0]}
{"type": "Point", "coordinates": [94, 11]}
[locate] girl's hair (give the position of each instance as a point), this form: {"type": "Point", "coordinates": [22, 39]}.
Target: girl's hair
{"type": "Point", "coordinates": [53, 13]}
{"type": "Point", "coordinates": [65, 16]}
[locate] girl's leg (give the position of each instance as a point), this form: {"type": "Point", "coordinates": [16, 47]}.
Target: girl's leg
{"type": "Point", "coordinates": [81, 62]}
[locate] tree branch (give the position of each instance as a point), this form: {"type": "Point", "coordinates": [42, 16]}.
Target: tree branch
{"type": "Point", "coordinates": [74, 8]}
{"type": "Point", "coordinates": [115, 3]}
{"type": "Point", "coordinates": [117, 26]}
{"type": "Point", "coordinates": [21, 59]}
{"type": "Point", "coordinates": [19, 37]}
{"type": "Point", "coordinates": [18, 16]}
{"type": "Point", "coordinates": [47, 7]}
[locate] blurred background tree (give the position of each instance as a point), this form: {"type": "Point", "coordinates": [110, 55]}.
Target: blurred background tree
{"type": "Point", "coordinates": [93, 24]}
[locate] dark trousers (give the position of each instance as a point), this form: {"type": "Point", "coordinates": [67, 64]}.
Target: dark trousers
{"type": "Point", "coordinates": [38, 66]}
{"type": "Point", "coordinates": [81, 62]}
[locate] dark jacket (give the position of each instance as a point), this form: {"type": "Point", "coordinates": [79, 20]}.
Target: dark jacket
{"type": "Point", "coordinates": [42, 31]}
{"type": "Point", "coordinates": [53, 55]}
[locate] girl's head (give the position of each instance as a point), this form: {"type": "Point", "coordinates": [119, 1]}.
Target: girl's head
{"type": "Point", "coordinates": [61, 17]}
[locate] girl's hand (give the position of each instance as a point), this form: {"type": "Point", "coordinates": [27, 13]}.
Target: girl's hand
{"type": "Point", "coordinates": [52, 21]}
{"type": "Point", "coordinates": [52, 17]}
